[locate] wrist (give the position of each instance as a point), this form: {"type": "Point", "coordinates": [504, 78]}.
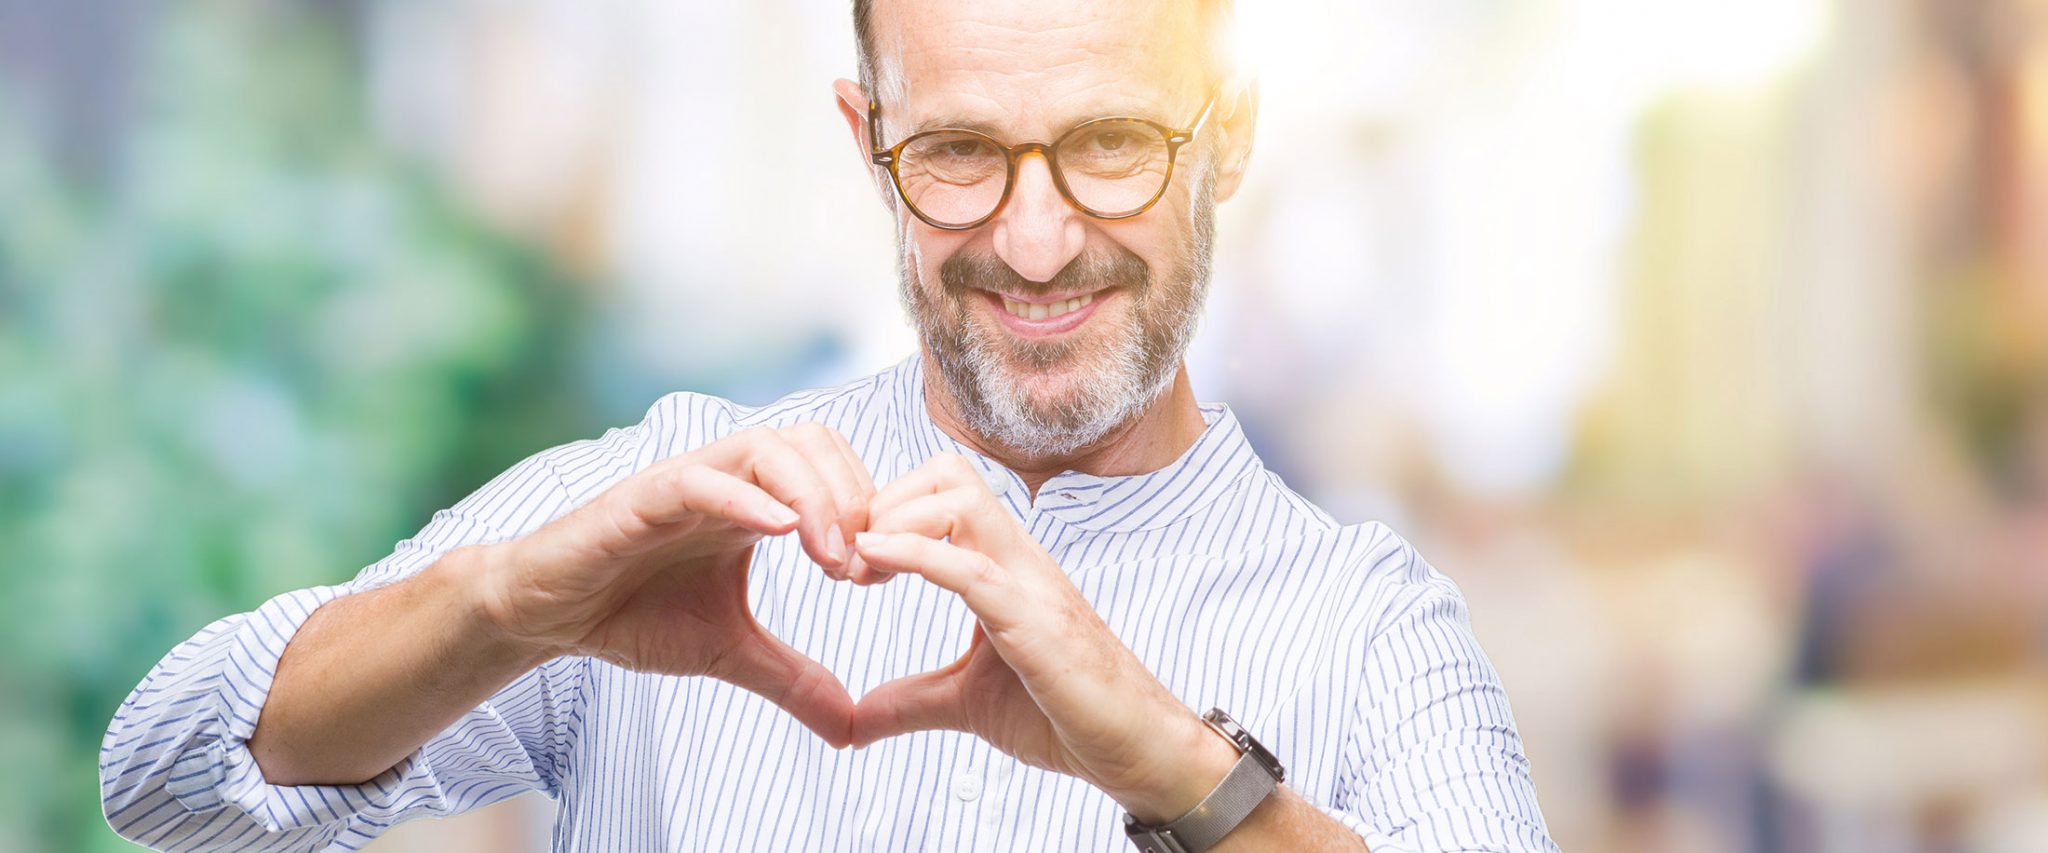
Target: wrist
{"type": "Point", "coordinates": [477, 577]}
{"type": "Point", "coordinates": [1194, 760]}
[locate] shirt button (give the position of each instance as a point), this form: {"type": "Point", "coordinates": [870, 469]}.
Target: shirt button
{"type": "Point", "coordinates": [998, 481]}
{"type": "Point", "coordinates": [967, 786]}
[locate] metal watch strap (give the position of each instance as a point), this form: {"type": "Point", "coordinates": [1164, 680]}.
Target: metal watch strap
{"type": "Point", "coordinates": [1250, 781]}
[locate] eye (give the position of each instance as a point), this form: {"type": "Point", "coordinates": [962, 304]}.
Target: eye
{"type": "Point", "coordinates": [965, 148]}
{"type": "Point", "coordinates": [1111, 140]}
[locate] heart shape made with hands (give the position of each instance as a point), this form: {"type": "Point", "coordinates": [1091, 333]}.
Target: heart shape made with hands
{"type": "Point", "coordinates": [1039, 651]}
{"type": "Point", "coordinates": [900, 543]}
{"type": "Point", "coordinates": [653, 574]}
{"type": "Point", "coordinates": [941, 522]}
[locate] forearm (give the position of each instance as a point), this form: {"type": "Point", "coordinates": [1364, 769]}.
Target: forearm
{"type": "Point", "coordinates": [1287, 822]}
{"type": "Point", "coordinates": [372, 676]}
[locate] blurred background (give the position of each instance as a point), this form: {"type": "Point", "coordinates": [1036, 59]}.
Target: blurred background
{"type": "Point", "coordinates": [1703, 342]}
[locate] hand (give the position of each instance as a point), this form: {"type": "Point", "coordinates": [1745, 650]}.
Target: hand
{"type": "Point", "coordinates": [1043, 679]}
{"type": "Point", "coordinates": [652, 574]}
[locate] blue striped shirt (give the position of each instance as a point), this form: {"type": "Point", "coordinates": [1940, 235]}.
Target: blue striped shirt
{"type": "Point", "coordinates": [1336, 645]}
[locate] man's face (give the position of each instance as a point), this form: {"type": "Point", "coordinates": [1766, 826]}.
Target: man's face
{"type": "Point", "coordinates": [1047, 326]}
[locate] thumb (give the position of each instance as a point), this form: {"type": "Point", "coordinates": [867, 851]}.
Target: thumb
{"type": "Point", "coordinates": [805, 688]}
{"type": "Point", "coordinates": [913, 703]}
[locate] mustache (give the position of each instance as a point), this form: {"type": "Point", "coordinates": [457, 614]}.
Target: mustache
{"type": "Point", "coordinates": [1089, 271]}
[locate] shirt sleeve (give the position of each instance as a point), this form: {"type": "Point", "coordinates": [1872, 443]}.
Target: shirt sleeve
{"type": "Point", "coordinates": [175, 768]}
{"type": "Point", "coordinates": [1434, 762]}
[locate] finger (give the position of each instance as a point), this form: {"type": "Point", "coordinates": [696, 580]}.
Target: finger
{"type": "Point", "coordinates": [857, 569]}
{"type": "Point", "coordinates": [984, 586]}
{"type": "Point", "coordinates": [768, 460]}
{"type": "Point", "coordinates": [817, 445]}
{"type": "Point", "coordinates": [953, 514]}
{"type": "Point", "coordinates": [853, 460]}
{"type": "Point", "coordinates": [973, 520]}
{"type": "Point", "coordinates": [868, 575]}
{"type": "Point", "coordinates": [913, 703]}
{"type": "Point", "coordinates": [668, 494]}
{"type": "Point", "coordinates": [864, 573]}
{"type": "Point", "coordinates": [858, 483]}
{"type": "Point", "coordinates": [939, 473]}
{"type": "Point", "coordinates": [807, 690]}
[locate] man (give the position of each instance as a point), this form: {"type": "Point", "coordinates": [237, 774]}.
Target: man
{"type": "Point", "coordinates": [1081, 555]}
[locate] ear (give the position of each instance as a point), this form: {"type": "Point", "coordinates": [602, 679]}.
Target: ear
{"type": "Point", "coordinates": [853, 106]}
{"type": "Point", "coordinates": [1234, 144]}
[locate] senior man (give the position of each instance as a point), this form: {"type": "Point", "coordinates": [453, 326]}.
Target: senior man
{"type": "Point", "coordinates": [1091, 555]}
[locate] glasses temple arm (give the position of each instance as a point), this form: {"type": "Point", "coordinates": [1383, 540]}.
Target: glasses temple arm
{"type": "Point", "coordinates": [880, 155]}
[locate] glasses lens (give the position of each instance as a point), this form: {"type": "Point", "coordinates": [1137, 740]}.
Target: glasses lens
{"type": "Point", "coordinates": [1114, 167]}
{"type": "Point", "coordinates": [952, 176]}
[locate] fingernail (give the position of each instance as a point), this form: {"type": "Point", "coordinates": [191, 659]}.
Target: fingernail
{"type": "Point", "coordinates": [865, 539]}
{"type": "Point", "coordinates": [835, 544]}
{"type": "Point", "coordinates": [780, 515]}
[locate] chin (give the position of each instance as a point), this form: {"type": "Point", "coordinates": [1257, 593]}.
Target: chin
{"type": "Point", "coordinates": [1047, 395]}
{"type": "Point", "coordinates": [1053, 377]}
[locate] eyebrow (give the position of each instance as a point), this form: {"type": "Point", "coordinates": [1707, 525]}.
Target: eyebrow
{"type": "Point", "coordinates": [1121, 108]}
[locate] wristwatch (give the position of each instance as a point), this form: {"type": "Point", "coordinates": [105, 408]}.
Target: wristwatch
{"type": "Point", "coordinates": [1254, 778]}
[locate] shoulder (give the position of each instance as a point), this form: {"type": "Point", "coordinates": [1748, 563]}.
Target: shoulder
{"type": "Point", "coordinates": [1362, 578]}
{"type": "Point", "coordinates": [1393, 582]}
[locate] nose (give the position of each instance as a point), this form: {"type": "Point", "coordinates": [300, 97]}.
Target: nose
{"type": "Point", "coordinates": [1037, 233]}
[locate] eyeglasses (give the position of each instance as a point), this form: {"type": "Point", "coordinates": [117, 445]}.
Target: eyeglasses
{"type": "Point", "coordinates": [1108, 168]}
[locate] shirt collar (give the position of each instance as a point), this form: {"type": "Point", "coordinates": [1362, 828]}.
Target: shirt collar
{"type": "Point", "coordinates": [1219, 460]}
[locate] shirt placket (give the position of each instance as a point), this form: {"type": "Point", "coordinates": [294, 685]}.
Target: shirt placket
{"type": "Point", "coordinates": [976, 801]}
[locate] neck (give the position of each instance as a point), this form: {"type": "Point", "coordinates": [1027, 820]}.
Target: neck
{"type": "Point", "coordinates": [1148, 441]}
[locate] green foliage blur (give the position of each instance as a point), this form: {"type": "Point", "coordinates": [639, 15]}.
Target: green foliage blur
{"type": "Point", "coordinates": [249, 358]}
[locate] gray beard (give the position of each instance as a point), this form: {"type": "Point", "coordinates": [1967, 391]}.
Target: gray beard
{"type": "Point", "coordinates": [1132, 368]}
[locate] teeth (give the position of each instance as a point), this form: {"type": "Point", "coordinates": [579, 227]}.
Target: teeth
{"type": "Point", "coordinates": [1029, 311]}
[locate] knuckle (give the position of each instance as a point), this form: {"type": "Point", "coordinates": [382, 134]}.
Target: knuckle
{"type": "Point", "coordinates": [764, 438]}
{"type": "Point", "coordinates": [986, 572]}
{"type": "Point", "coordinates": [615, 532]}
{"type": "Point", "coordinates": [955, 464]}
{"type": "Point", "coordinates": [680, 477]}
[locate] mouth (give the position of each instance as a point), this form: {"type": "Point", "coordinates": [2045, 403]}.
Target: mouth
{"type": "Point", "coordinates": [1042, 316]}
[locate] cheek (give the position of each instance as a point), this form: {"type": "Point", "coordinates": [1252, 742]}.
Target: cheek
{"type": "Point", "coordinates": [926, 249]}
{"type": "Point", "coordinates": [1159, 238]}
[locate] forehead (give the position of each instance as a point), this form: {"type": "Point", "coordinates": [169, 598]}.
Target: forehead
{"type": "Point", "coordinates": [1030, 65]}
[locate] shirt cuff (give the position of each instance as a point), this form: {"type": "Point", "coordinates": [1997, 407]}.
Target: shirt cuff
{"type": "Point", "coordinates": [216, 772]}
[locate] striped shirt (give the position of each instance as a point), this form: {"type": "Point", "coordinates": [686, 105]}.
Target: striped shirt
{"type": "Point", "coordinates": [1335, 645]}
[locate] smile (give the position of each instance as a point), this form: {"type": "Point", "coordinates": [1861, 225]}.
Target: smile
{"type": "Point", "coordinates": [1030, 311]}
{"type": "Point", "coordinates": [1038, 317]}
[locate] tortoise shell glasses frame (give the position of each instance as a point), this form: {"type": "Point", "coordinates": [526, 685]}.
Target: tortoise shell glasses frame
{"type": "Point", "coordinates": [1171, 138]}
